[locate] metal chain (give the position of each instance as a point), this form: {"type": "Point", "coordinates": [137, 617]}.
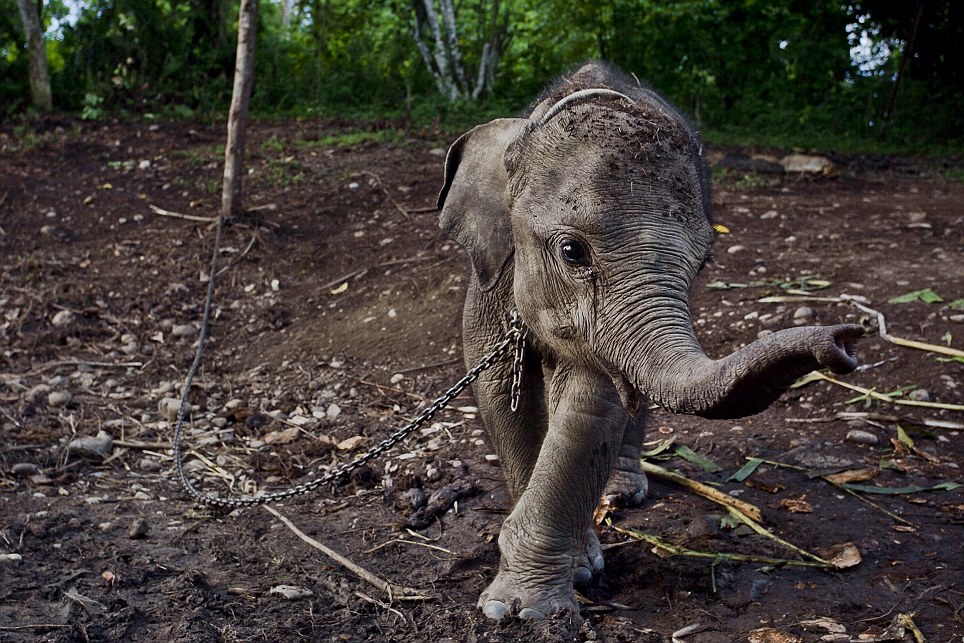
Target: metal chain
{"type": "Point", "coordinates": [517, 357]}
{"type": "Point", "coordinates": [514, 336]}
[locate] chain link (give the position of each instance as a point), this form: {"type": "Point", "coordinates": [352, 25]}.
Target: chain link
{"type": "Point", "coordinates": [514, 337]}
{"type": "Point", "coordinates": [520, 346]}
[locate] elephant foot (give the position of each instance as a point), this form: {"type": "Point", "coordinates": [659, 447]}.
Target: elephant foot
{"type": "Point", "coordinates": [627, 485]}
{"type": "Point", "coordinates": [511, 595]}
{"type": "Point", "coordinates": [590, 561]}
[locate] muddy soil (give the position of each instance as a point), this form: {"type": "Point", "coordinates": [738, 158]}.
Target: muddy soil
{"type": "Point", "coordinates": [337, 317]}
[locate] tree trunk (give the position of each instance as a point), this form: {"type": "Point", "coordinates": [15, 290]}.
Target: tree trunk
{"type": "Point", "coordinates": [238, 116]}
{"type": "Point", "coordinates": [37, 69]}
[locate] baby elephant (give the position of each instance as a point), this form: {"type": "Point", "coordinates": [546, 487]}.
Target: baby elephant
{"type": "Point", "coordinates": [590, 219]}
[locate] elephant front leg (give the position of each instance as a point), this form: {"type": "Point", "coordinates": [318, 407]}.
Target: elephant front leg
{"type": "Point", "coordinates": [628, 485]}
{"type": "Point", "coordinates": [542, 539]}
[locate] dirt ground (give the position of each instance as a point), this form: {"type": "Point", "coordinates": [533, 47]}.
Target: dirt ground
{"type": "Point", "coordinates": [338, 314]}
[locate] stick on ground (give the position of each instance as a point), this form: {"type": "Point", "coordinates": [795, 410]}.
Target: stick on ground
{"type": "Point", "coordinates": [399, 592]}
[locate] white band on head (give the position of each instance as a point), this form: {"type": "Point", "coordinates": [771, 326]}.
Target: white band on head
{"type": "Point", "coordinates": [577, 96]}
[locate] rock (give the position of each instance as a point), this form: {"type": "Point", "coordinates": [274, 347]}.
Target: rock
{"type": "Point", "coordinates": [168, 408]}
{"type": "Point", "coordinates": [333, 411]}
{"type": "Point", "coordinates": [920, 395]}
{"type": "Point", "coordinates": [138, 529]}
{"type": "Point", "coordinates": [291, 592]}
{"type": "Point", "coordinates": [58, 398]}
{"type": "Point", "coordinates": [769, 214]}
{"type": "Point", "coordinates": [36, 393]}
{"type": "Point", "coordinates": [860, 436]}
{"type": "Point", "coordinates": [802, 316]}
{"type": "Point", "coordinates": [10, 559]}
{"type": "Point", "coordinates": [144, 165]}
{"type": "Point", "coordinates": [148, 465]}
{"type": "Point", "coordinates": [957, 319]}
{"type": "Point", "coordinates": [98, 446]}
{"type": "Point", "coordinates": [432, 474]}
{"type": "Point", "coordinates": [807, 164]}
{"type": "Point", "coordinates": [62, 318]}
{"type": "Point", "coordinates": [735, 249]}
{"type": "Point", "coordinates": [24, 469]}
{"type": "Point", "coordinates": [183, 331]}
{"type": "Point", "coordinates": [396, 378]}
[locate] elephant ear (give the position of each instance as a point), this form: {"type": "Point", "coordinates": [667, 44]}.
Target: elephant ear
{"type": "Point", "coordinates": [474, 203]}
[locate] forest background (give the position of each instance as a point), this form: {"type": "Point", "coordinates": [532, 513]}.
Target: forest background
{"type": "Point", "coordinates": [870, 76]}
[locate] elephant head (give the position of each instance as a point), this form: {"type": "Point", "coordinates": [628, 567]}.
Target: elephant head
{"type": "Point", "coordinates": [593, 216]}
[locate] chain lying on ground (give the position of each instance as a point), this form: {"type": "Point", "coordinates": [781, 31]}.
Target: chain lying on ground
{"type": "Point", "coordinates": [514, 337]}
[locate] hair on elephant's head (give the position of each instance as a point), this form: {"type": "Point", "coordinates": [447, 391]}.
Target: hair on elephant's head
{"type": "Point", "coordinates": [594, 213]}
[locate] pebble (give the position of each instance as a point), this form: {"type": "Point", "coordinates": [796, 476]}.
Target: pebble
{"type": "Point", "coordinates": [957, 318]}
{"type": "Point", "coordinates": [735, 249]}
{"type": "Point", "coordinates": [98, 446]}
{"type": "Point", "coordinates": [138, 529]}
{"type": "Point", "coordinates": [291, 592]}
{"type": "Point", "coordinates": [333, 411]}
{"type": "Point", "coordinates": [24, 469]}
{"type": "Point", "coordinates": [36, 393]}
{"type": "Point", "coordinates": [7, 559]}
{"type": "Point", "coordinates": [62, 318]}
{"type": "Point", "coordinates": [492, 459]}
{"type": "Point", "coordinates": [859, 436]}
{"type": "Point", "coordinates": [148, 465]}
{"type": "Point", "coordinates": [396, 378]}
{"type": "Point", "coordinates": [144, 165]}
{"type": "Point", "coordinates": [802, 315]}
{"type": "Point", "coordinates": [432, 474]}
{"type": "Point", "coordinates": [58, 398]}
{"type": "Point", "coordinates": [769, 214]}
{"type": "Point", "coordinates": [168, 407]}
{"type": "Point", "coordinates": [920, 395]}
{"type": "Point", "coordinates": [183, 331]}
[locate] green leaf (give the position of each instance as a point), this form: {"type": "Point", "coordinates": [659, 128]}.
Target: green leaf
{"type": "Point", "coordinates": [903, 437]}
{"type": "Point", "coordinates": [957, 304]}
{"type": "Point", "coordinates": [746, 470]}
{"type": "Point", "coordinates": [730, 522]}
{"type": "Point", "coordinates": [702, 461]}
{"type": "Point", "coordinates": [659, 448]}
{"type": "Point", "coordinates": [926, 295]}
{"type": "Point", "coordinates": [893, 491]}
{"type": "Point", "coordinates": [722, 285]}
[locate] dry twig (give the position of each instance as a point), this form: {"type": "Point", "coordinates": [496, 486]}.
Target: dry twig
{"type": "Point", "coordinates": [394, 591]}
{"type": "Point", "coordinates": [178, 215]}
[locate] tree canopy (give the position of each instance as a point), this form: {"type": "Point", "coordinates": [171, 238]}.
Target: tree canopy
{"type": "Point", "coordinates": [871, 69]}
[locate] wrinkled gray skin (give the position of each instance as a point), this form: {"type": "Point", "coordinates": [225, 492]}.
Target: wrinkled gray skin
{"type": "Point", "coordinates": [590, 218]}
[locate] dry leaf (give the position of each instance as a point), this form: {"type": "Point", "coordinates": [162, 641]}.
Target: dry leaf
{"type": "Point", "coordinates": [764, 486]}
{"type": "Point", "coordinates": [853, 475]}
{"type": "Point", "coordinates": [770, 635]}
{"type": "Point", "coordinates": [282, 437]}
{"type": "Point", "coordinates": [797, 505]}
{"type": "Point", "coordinates": [602, 510]}
{"type": "Point", "coordinates": [350, 443]}
{"type": "Point", "coordinates": [825, 623]}
{"type": "Point", "coordinates": [842, 556]}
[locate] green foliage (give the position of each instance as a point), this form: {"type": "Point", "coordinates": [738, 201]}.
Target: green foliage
{"type": "Point", "coordinates": [775, 73]}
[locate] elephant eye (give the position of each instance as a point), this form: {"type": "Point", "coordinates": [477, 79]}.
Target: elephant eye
{"type": "Point", "coordinates": [574, 252]}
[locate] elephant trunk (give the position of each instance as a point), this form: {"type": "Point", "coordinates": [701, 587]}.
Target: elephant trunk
{"type": "Point", "coordinates": [671, 369]}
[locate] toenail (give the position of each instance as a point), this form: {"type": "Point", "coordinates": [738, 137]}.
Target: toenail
{"type": "Point", "coordinates": [495, 610]}
{"type": "Point", "coordinates": [531, 614]}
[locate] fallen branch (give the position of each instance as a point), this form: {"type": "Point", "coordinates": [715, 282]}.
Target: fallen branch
{"type": "Point", "coordinates": [394, 591]}
{"type": "Point", "coordinates": [702, 490]}
{"type": "Point", "coordinates": [752, 524]}
{"type": "Point", "coordinates": [178, 215]}
{"type": "Point", "coordinates": [909, 343]}
{"type": "Point", "coordinates": [679, 550]}
{"type": "Point", "coordinates": [816, 375]}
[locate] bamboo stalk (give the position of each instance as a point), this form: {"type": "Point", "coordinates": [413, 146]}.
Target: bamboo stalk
{"type": "Point", "coordinates": [752, 524]}
{"type": "Point", "coordinates": [701, 489]}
